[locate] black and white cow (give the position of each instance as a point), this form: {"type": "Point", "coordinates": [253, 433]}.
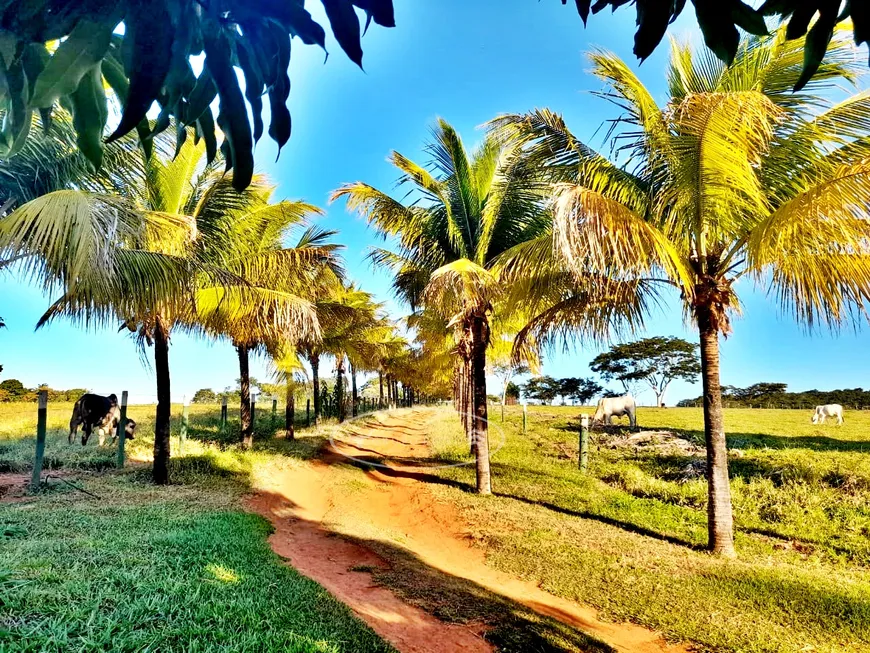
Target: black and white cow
{"type": "Point", "coordinates": [100, 413]}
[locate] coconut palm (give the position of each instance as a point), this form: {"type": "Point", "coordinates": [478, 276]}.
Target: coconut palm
{"type": "Point", "coordinates": [464, 214]}
{"type": "Point", "coordinates": [145, 258]}
{"type": "Point", "coordinates": [275, 305]}
{"type": "Point", "coordinates": [734, 177]}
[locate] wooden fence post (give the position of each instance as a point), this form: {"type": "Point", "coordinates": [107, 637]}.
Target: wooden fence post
{"type": "Point", "coordinates": [253, 412]}
{"type": "Point", "coordinates": [223, 414]}
{"type": "Point", "coordinates": [122, 431]}
{"type": "Point", "coordinates": [525, 416]}
{"type": "Point", "coordinates": [185, 421]}
{"type": "Point", "coordinates": [274, 411]}
{"type": "Point", "coordinates": [583, 460]}
{"type": "Point", "coordinates": [41, 420]}
{"type": "Point", "coordinates": [308, 412]}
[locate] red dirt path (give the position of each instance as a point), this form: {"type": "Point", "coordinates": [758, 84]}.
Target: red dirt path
{"type": "Point", "coordinates": [299, 502]}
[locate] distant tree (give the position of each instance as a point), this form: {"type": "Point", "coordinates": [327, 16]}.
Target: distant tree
{"type": "Point", "coordinates": [14, 389]}
{"type": "Point", "coordinates": [655, 361]}
{"type": "Point", "coordinates": [506, 372]}
{"type": "Point", "coordinates": [541, 388]}
{"type": "Point", "coordinates": [578, 389]}
{"type": "Point", "coordinates": [512, 392]}
{"type": "Point", "coordinates": [205, 396]}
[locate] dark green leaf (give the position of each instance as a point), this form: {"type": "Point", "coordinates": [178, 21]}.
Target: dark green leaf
{"type": "Point", "coordinates": [205, 128]}
{"type": "Point", "coordinates": [254, 85]}
{"type": "Point", "coordinates": [345, 26]}
{"type": "Point", "coordinates": [800, 20]}
{"type": "Point", "coordinates": [582, 8]}
{"type": "Point", "coordinates": [653, 17]}
{"type": "Point", "coordinates": [300, 24]}
{"type": "Point", "coordinates": [817, 43]}
{"type": "Point", "coordinates": [234, 116]}
{"type": "Point", "coordinates": [34, 58]}
{"type": "Point", "coordinates": [748, 18]}
{"type": "Point", "coordinates": [151, 58]}
{"type": "Point", "coordinates": [16, 123]}
{"type": "Point", "coordinates": [203, 94]}
{"type": "Point", "coordinates": [85, 47]}
{"type": "Point", "coordinates": [381, 11]}
{"type": "Point", "coordinates": [720, 34]}
{"type": "Point", "coordinates": [90, 114]}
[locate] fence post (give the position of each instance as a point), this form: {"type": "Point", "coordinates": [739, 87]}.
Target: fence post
{"type": "Point", "coordinates": [308, 412]}
{"type": "Point", "coordinates": [525, 415]}
{"type": "Point", "coordinates": [584, 442]}
{"type": "Point", "coordinates": [253, 412]}
{"type": "Point", "coordinates": [223, 414]}
{"type": "Point", "coordinates": [274, 411]}
{"type": "Point", "coordinates": [122, 431]}
{"type": "Point", "coordinates": [41, 413]}
{"type": "Point", "coordinates": [185, 421]}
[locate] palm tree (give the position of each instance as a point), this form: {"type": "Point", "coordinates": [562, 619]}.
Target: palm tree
{"type": "Point", "coordinates": [468, 211]}
{"type": "Point", "coordinates": [735, 177]}
{"type": "Point", "coordinates": [144, 257]}
{"type": "Point", "coordinates": [275, 306]}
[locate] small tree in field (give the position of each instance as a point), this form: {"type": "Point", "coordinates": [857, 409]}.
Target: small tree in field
{"type": "Point", "coordinates": [656, 361]}
{"type": "Point", "coordinates": [204, 396]}
{"type": "Point", "coordinates": [542, 388]}
{"type": "Point", "coordinates": [578, 389]}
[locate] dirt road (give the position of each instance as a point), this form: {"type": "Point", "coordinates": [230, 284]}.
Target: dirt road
{"type": "Point", "coordinates": [308, 508]}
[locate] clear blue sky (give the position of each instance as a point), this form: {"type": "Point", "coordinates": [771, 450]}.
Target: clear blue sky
{"type": "Point", "coordinates": [467, 62]}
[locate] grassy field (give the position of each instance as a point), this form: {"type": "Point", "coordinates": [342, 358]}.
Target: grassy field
{"type": "Point", "coordinates": [628, 537]}
{"type": "Point", "coordinates": [141, 568]}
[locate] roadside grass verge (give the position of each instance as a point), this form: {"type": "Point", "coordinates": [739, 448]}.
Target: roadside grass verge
{"type": "Point", "coordinates": [628, 537]}
{"type": "Point", "coordinates": [176, 568]}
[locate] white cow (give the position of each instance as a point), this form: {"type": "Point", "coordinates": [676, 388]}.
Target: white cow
{"type": "Point", "coordinates": [611, 407]}
{"type": "Point", "coordinates": [828, 410]}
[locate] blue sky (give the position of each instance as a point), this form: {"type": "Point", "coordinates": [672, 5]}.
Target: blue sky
{"type": "Point", "coordinates": [466, 62]}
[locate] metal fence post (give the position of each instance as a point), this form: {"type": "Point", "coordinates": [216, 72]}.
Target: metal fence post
{"type": "Point", "coordinates": [223, 414]}
{"type": "Point", "coordinates": [584, 442]}
{"type": "Point", "coordinates": [122, 431]}
{"type": "Point", "coordinates": [41, 414]}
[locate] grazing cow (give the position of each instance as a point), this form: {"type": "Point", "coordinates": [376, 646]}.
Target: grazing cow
{"type": "Point", "coordinates": [611, 407]}
{"type": "Point", "coordinates": [100, 413]}
{"type": "Point", "coordinates": [828, 410]}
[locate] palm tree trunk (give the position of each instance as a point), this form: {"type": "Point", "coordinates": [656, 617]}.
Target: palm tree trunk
{"type": "Point", "coordinates": [480, 423]}
{"type": "Point", "coordinates": [164, 408]}
{"type": "Point", "coordinates": [354, 395]}
{"type": "Point", "coordinates": [720, 524]}
{"type": "Point", "coordinates": [247, 431]}
{"type": "Point", "coordinates": [381, 389]}
{"type": "Point", "coordinates": [314, 359]}
{"type": "Point", "coordinates": [290, 412]}
{"type": "Point", "coordinates": [339, 388]}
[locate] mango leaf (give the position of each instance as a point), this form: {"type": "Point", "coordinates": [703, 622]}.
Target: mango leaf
{"type": "Point", "coordinates": [720, 34]}
{"type": "Point", "coordinates": [16, 123]}
{"type": "Point", "coordinates": [113, 72]}
{"type": "Point", "coordinates": [817, 44]}
{"type": "Point", "coordinates": [381, 11]}
{"type": "Point", "coordinates": [8, 47]}
{"type": "Point", "coordinates": [254, 85]}
{"type": "Point", "coordinates": [345, 26]}
{"type": "Point", "coordinates": [582, 8]}
{"type": "Point", "coordinates": [234, 116]}
{"type": "Point", "coordinates": [150, 59]}
{"type": "Point", "coordinates": [85, 47]}
{"type": "Point", "coordinates": [205, 128]}
{"type": "Point", "coordinates": [201, 97]}
{"type": "Point", "coordinates": [653, 17]}
{"type": "Point", "coordinates": [748, 18]}
{"type": "Point", "coordinates": [34, 58]}
{"type": "Point", "coordinates": [90, 114]}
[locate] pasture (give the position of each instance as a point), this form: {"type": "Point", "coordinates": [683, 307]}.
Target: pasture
{"type": "Point", "coordinates": [628, 537]}
{"type": "Point", "coordinates": [163, 566]}
{"type": "Point", "coordinates": [131, 566]}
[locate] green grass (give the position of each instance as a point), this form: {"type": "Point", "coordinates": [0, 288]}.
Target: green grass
{"type": "Point", "coordinates": [178, 568]}
{"type": "Point", "coordinates": [628, 538]}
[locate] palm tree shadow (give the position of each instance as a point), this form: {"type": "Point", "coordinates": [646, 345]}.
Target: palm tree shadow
{"type": "Point", "coordinates": [377, 466]}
